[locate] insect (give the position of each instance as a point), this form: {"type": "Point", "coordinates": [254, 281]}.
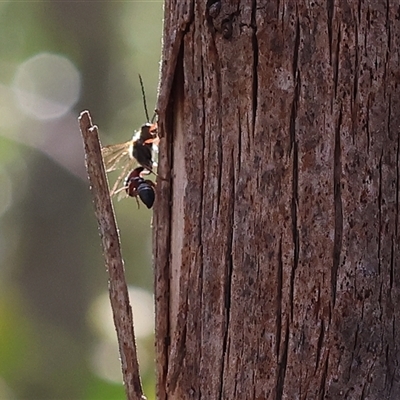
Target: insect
{"type": "Point", "coordinates": [137, 150]}
{"type": "Point", "coordinates": [136, 186]}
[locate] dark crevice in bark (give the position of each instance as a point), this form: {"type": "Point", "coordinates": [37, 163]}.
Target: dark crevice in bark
{"type": "Point", "coordinates": [389, 118]}
{"type": "Point", "coordinates": [282, 365]}
{"type": "Point", "coordinates": [397, 222]}
{"type": "Point", "coordinates": [362, 309]}
{"type": "Point", "coordinates": [336, 62]}
{"type": "Point", "coordinates": [201, 214]}
{"type": "Point", "coordinates": [178, 348]}
{"type": "Point", "coordinates": [228, 279]}
{"type": "Point", "coordinates": [218, 144]}
{"type": "Point", "coordinates": [255, 64]}
{"type": "Point", "coordinates": [367, 123]}
{"type": "Point", "coordinates": [380, 214]}
{"type": "Point", "coordinates": [234, 389]}
{"type": "Point", "coordinates": [279, 296]}
{"type": "Point", "coordinates": [380, 299]}
{"type": "Point", "coordinates": [389, 34]}
{"type": "Point", "coordinates": [388, 375]}
{"type": "Point", "coordinates": [239, 142]}
{"type": "Point", "coordinates": [368, 18]}
{"type": "Point", "coordinates": [364, 389]}
{"type": "Point", "coordinates": [391, 275]}
{"type": "Point", "coordinates": [203, 134]}
{"type": "Point", "coordinates": [295, 180]}
{"type": "Point", "coordinates": [295, 231]}
{"type": "Point", "coordinates": [329, 11]}
{"type": "Point", "coordinates": [295, 70]}
{"type": "Point", "coordinates": [356, 338]}
{"type": "Point", "coordinates": [354, 100]}
{"type": "Point", "coordinates": [219, 178]}
{"type": "Point", "coordinates": [209, 6]}
{"type": "Point", "coordinates": [337, 189]}
{"type": "Point", "coordinates": [295, 172]}
{"type": "Point", "coordinates": [323, 379]}
{"type": "Point", "coordinates": [278, 5]}
{"type": "Point", "coordinates": [356, 66]}
{"type": "Point", "coordinates": [320, 344]}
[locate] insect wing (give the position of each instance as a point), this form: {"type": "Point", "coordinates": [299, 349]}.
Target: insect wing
{"type": "Point", "coordinates": [120, 193]}
{"type": "Point", "coordinates": [116, 156]}
{"type": "Point", "coordinates": [119, 185]}
{"type": "Point", "coordinates": [125, 155]}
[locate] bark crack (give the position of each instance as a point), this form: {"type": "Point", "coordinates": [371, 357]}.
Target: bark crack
{"type": "Point", "coordinates": [228, 283]}
{"type": "Point", "coordinates": [295, 67]}
{"type": "Point", "coordinates": [380, 215]}
{"type": "Point", "coordinates": [397, 186]}
{"type": "Point", "coordinates": [389, 33]}
{"type": "Point", "coordinates": [282, 365]}
{"type": "Point", "coordinates": [356, 66]}
{"type": "Point", "coordinates": [337, 190]}
{"type": "Point", "coordinates": [295, 231]}
{"type": "Point", "coordinates": [354, 98]}
{"type": "Point", "coordinates": [239, 140]}
{"type": "Point", "coordinates": [391, 265]}
{"type": "Point", "coordinates": [323, 379]}
{"type": "Point", "coordinates": [219, 178]}
{"type": "Point", "coordinates": [279, 296]}
{"type": "Point", "coordinates": [178, 348]}
{"type": "Point", "coordinates": [295, 172]}
{"type": "Point", "coordinates": [336, 62]}
{"type": "Point", "coordinates": [330, 12]}
{"type": "Point", "coordinates": [320, 344]}
{"type": "Point", "coordinates": [367, 123]}
{"type": "Point", "coordinates": [255, 64]}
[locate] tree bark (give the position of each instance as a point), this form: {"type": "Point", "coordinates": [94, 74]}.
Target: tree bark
{"type": "Point", "coordinates": [276, 231]}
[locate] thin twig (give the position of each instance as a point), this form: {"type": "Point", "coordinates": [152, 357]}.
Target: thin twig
{"type": "Point", "coordinates": [118, 290]}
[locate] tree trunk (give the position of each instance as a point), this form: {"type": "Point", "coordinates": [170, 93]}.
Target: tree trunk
{"type": "Point", "coordinates": [277, 225]}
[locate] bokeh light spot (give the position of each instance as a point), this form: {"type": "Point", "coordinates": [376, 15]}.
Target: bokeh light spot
{"type": "Point", "coordinates": [143, 313]}
{"type": "Point", "coordinates": [105, 356]}
{"type": "Point", "coordinates": [47, 86]}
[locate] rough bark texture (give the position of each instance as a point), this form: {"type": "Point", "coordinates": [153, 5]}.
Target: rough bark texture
{"type": "Point", "coordinates": [277, 228]}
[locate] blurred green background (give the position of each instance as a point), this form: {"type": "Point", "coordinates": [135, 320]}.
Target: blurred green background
{"type": "Point", "coordinates": [57, 340]}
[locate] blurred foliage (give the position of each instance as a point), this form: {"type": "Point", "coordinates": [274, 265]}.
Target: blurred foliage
{"type": "Point", "coordinates": [51, 266]}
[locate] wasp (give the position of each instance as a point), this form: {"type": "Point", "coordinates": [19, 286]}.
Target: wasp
{"type": "Point", "coordinates": [136, 186]}
{"type": "Point", "coordinates": [137, 150]}
{"type": "Point", "coordinates": [125, 155]}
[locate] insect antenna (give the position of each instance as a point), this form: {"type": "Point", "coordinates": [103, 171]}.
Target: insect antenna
{"type": "Point", "coordinates": [144, 98]}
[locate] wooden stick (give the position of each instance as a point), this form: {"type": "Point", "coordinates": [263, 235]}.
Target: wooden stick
{"type": "Point", "coordinates": [118, 291]}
